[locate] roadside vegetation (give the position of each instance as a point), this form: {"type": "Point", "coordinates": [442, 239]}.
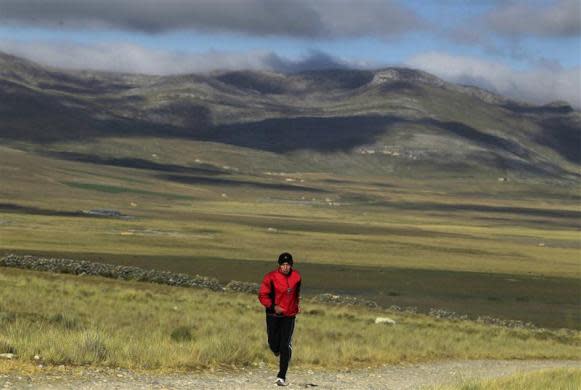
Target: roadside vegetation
{"type": "Point", "coordinates": [71, 320]}
{"type": "Point", "coordinates": [557, 379]}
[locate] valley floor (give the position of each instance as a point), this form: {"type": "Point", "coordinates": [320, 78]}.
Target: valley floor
{"type": "Point", "coordinates": [411, 376]}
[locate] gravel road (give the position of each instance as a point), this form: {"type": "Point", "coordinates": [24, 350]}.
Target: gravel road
{"type": "Point", "coordinates": [414, 376]}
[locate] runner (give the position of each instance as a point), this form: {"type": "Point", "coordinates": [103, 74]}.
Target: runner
{"type": "Point", "coordinates": [280, 293]}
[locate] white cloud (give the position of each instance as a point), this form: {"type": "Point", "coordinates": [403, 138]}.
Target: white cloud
{"type": "Point", "coordinates": [543, 83]}
{"type": "Point", "coordinates": [131, 58]}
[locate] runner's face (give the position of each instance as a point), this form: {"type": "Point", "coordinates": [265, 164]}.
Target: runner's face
{"type": "Point", "coordinates": [285, 268]}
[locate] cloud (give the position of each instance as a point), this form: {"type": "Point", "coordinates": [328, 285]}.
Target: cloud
{"type": "Point", "coordinates": [547, 81]}
{"type": "Point", "coordinates": [559, 19]}
{"type": "Point", "coordinates": [367, 18]}
{"type": "Point", "coordinates": [503, 30]}
{"type": "Point", "coordinates": [313, 60]}
{"type": "Point", "coordinates": [290, 18]}
{"type": "Point", "coordinates": [131, 58]}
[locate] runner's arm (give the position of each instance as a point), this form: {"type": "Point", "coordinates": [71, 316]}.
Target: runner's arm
{"type": "Point", "coordinates": [265, 292]}
{"type": "Point", "coordinates": [299, 294]}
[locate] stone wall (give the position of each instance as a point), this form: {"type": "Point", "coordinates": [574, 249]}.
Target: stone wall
{"type": "Point", "coordinates": [82, 267]}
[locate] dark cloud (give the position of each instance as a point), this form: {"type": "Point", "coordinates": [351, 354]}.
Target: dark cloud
{"type": "Point", "coordinates": [560, 18]}
{"type": "Point", "coordinates": [502, 30]}
{"type": "Point", "coordinates": [314, 60]}
{"type": "Point", "coordinates": [153, 16]}
{"type": "Point", "coordinates": [298, 18]}
{"type": "Point", "coordinates": [370, 17]}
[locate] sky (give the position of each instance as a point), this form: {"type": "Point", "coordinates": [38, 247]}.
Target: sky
{"type": "Point", "coordinates": [528, 50]}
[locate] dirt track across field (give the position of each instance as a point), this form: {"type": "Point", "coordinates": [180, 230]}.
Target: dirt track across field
{"type": "Point", "coordinates": [416, 376]}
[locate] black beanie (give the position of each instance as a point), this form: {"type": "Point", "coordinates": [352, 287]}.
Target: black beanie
{"type": "Point", "coordinates": [285, 258]}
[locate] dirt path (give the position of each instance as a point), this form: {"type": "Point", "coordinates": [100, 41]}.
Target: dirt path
{"type": "Point", "coordinates": [388, 377]}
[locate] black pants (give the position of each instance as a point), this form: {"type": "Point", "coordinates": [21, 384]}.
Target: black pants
{"type": "Point", "coordinates": [280, 334]}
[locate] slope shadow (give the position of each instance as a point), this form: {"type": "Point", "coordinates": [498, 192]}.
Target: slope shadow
{"type": "Point", "coordinates": [135, 163]}
{"type": "Point", "coordinates": [17, 209]}
{"type": "Point", "coordinates": [563, 136]}
{"type": "Point", "coordinates": [546, 109]}
{"type": "Point", "coordinates": [331, 79]}
{"type": "Point", "coordinates": [214, 181]}
{"type": "Point", "coordinates": [30, 115]}
{"type": "Point", "coordinates": [470, 133]}
{"type": "Point", "coordinates": [430, 206]}
{"type": "Point", "coordinates": [252, 81]}
{"type": "Point", "coordinates": [340, 134]}
{"type": "Point", "coordinates": [70, 83]}
{"type": "Point", "coordinates": [284, 135]}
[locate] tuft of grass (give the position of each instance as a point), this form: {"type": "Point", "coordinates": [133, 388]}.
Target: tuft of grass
{"type": "Point", "coordinates": [65, 321]}
{"type": "Point", "coordinates": [6, 346]}
{"type": "Point", "coordinates": [92, 348]}
{"type": "Point", "coordinates": [315, 312]}
{"type": "Point", "coordinates": [6, 317]}
{"type": "Point", "coordinates": [181, 334]}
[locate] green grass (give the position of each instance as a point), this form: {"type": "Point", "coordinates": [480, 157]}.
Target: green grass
{"type": "Point", "coordinates": [555, 379]}
{"type": "Point", "coordinates": [86, 320]}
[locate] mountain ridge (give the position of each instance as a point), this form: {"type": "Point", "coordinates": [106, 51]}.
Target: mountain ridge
{"type": "Point", "coordinates": [387, 113]}
{"type": "Point", "coordinates": [376, 76]}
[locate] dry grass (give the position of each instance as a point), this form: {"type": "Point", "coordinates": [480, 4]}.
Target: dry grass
{"type": "Point", "coordinates": [93, 321]}
{"type": "Point", "coordinates": [555, 379]}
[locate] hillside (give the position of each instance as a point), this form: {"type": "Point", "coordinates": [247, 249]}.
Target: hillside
{"type": "Point", "coordinates": [388, 122]}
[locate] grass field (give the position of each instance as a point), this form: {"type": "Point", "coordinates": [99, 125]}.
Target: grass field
{"type": "Point", "coordinates": [470, 245]}
{"type": "Point", "coordinates": [76, 320]}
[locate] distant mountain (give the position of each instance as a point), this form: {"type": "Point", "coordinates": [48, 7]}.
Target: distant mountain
{"type": "Point", "coordinates": [389, 120]}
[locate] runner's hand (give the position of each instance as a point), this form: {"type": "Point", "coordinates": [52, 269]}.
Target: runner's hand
{"type": "Point", "coordinates": [278, 309]}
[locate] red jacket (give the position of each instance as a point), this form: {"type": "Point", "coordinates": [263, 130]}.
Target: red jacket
{"type": "Point", "coordinates": [282, 290]}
